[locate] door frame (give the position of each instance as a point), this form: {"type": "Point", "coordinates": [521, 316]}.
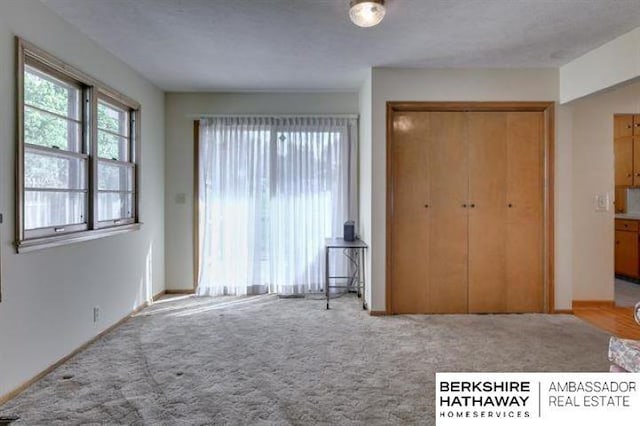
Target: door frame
{"type": "Point", "coordinates": [548, 108]}
{"type": "Point", "coordinates": [196, 204]}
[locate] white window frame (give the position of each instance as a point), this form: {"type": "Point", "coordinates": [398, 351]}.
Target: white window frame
{"type": "Point", "coordinates": [91, 90]}
{"type": "Point", "coordinates": [132, 162]}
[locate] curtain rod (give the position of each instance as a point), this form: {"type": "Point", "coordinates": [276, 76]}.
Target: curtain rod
{"type": "Point", "coordinates": [272, 115]}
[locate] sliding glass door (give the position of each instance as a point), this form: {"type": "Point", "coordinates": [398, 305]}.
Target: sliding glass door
{"type": "Point", "coordinates": [271, 191]}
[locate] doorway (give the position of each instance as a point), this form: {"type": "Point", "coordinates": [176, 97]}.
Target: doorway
{"type": "Point", "coordinates": [626, 143]}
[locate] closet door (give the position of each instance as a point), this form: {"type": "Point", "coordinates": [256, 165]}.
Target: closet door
{"type": "Point", "coordinates": [409, 212]}
{"type": "Point", "coordinates": [467, 212]}
{"type": "Point", "coordinates": [448, 231]}
{"type": "Point", "coordinates": [487, 133]}
{"type": "Point", "coordinates": [525, 212]}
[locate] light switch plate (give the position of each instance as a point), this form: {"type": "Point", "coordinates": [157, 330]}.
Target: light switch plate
{"type": "Point", "coordinates": [601, 202]}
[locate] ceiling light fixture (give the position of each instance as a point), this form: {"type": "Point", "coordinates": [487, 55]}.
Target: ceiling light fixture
{"type": "Point", "coordinates": [366, 13]}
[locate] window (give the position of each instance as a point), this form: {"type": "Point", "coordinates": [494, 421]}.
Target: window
{"type": "Point", "coordinates": [55, 160]}
{"type": "Point", "coordinates": [270, 190]}
{"type": "Point", "coordinates": [116, 167]}
{"type": "Point", "coordinates": [77, 155]}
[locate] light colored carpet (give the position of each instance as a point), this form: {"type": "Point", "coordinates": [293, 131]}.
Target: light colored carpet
{"type": "Point", "coordinates": [261, 360]}
{"type": "Point", "coordinates": [627, 293]}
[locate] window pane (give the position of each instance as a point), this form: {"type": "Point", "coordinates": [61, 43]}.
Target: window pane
{"type": "Point", "coordinates": [51, 94]}
{"type": "Point", "coordinates": [48, 130]}
{"type": "Point", "coordinates": [113, 147]}
{"type": "Point", "coordinates": [114, 177]}
{"type": "Point", "coordinates": [113, 119]}
{"type": "Point", "coordinates": [46, 209]}
{"type": "Point", "coordinates": [48, 171]}
{"type": "Point", "coordinates": [113, 205]}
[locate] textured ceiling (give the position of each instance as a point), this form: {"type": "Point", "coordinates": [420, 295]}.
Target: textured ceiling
{"type": "Point", "coordinates": [216, 45]}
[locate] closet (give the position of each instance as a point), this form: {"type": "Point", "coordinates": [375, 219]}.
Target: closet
{"type": "Point", "coordinates": [466, 213]}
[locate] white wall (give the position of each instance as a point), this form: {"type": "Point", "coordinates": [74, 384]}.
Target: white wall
{"type": "Point", "coordinates": [364, 179]}
{"type": "Point", "coordinates": [563, 216]}
{"type": "Point", "coordinates": [593, 173]}
{"type": "Point", "coordinates": [613, 63]}
{"type": "Point", "coordinates": [458, 85]}
{"type": "Point", "coordinates": [180, 109]}
{"type": "Point", "coordinates": [49, 295]}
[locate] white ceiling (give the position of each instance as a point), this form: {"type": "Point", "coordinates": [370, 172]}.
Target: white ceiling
{"type": "Point", "coordinates": [225, 45]}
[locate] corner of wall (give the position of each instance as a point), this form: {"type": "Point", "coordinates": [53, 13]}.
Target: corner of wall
{"type": "Point", "coordinates": [563, 212]}
{"type": "Point", "coordinates": [365, 174]}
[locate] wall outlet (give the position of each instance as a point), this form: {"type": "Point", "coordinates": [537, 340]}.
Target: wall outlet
{"type": "Point", "coordinates": [96, 313]}
{"type": "Point", "coordinates": [601, 202]}
{"type": "Point", "coordinates": [181, 198]}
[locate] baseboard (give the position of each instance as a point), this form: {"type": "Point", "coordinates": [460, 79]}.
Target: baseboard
{"type": "Point", "coordinates": [159, 295]}
{"type": "Point", "coordinates": [180, 291]}
{"type": "Point", "coordinates": [378, 313]}
{"type": "Point", "coordinates": [165, 292]}
{"type": "Point", "coordinates": [563, 311]}
{"type": "Point", "coordinates": [17, 391]}
{"type": "Point", "coordinates": [593, 304]}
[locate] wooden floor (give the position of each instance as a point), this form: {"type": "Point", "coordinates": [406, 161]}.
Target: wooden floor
{"type": "Point", "coordinates": [617, 321]}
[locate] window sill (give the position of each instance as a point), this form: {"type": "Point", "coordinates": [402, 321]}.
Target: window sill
{"type": "Point", "coordinates": [72, 238]}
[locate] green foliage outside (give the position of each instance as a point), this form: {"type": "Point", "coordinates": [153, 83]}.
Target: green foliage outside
{"type": "Point", "coordinates": [108, 144]}
{"type": "Point", "coordinates": [51, 131]}
{"type": "Point", "coordinates": [42, 128]}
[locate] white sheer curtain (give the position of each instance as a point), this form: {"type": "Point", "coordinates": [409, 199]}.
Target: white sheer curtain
{"type": "Point", "coordinates": [271, 190]}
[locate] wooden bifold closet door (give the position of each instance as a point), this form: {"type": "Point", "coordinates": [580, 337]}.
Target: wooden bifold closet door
{"type": "Point", "coordinates": [429, 243]}
{"type": "Point", "coordinates": [506, 214]}
{"type": "Point", "coordinates": [467, 212]}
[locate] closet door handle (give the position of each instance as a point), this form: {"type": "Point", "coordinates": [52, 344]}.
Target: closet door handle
{"type": "Point", "coordinates": [426, 206]}
{"type": "Point", "coordinates": [473, 206]}
{"type": "Point", "coordinates": [464, 206]}
{"type": "Point", "coordinates": [509, 205]}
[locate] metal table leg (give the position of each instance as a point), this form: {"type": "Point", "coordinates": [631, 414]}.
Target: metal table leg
{"type": "Point", "coordinates": [326, 274]}
{"type": "Point", "coordinates": [359, 277]}
{"type": "Point", "coordinates": [364, 282]}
